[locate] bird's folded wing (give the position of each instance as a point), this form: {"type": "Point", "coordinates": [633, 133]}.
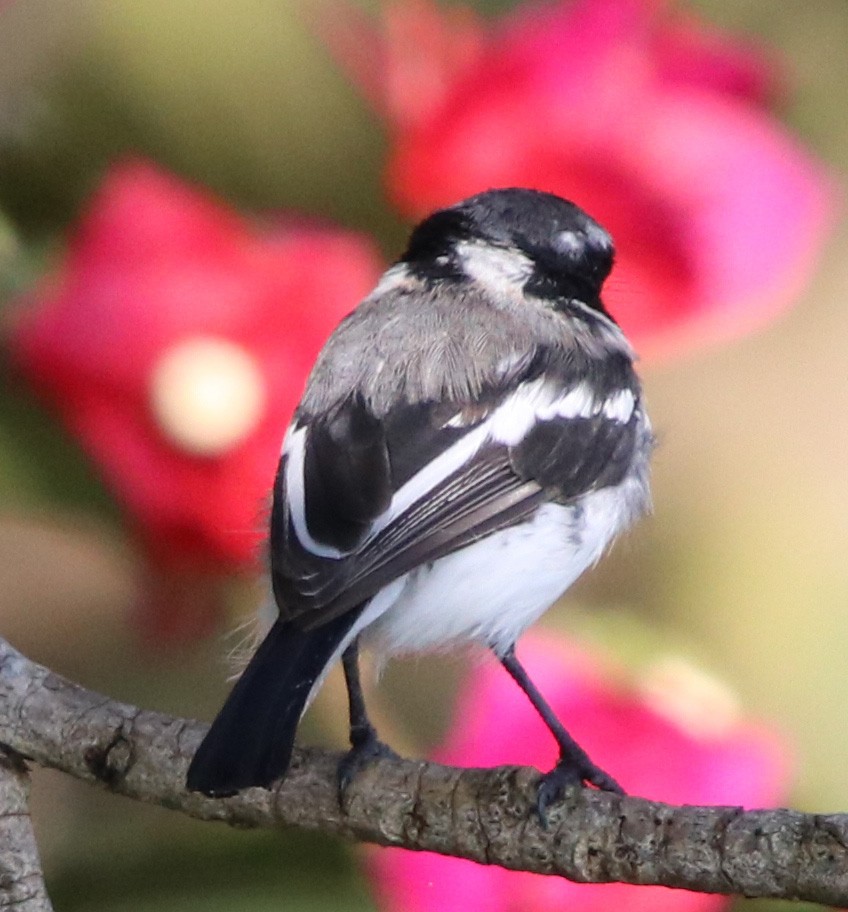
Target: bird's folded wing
{"type": "Point", "coordinates": [360, 502]}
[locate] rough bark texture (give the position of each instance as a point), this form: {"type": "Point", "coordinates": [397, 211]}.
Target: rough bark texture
{"type": "Point", "coordinates": [484, 815]}
{"type": "Point", "coordinates": [21, 880]}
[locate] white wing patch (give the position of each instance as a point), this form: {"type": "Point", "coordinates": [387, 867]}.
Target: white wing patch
{"type": "Point", "coordinates": [538, 400]}
{"type": "Point", "coordinates": [293, 449]}
{"type": "Point", "coordinates": [511, 421]}
{"type": "Point", "coordinates": [619, 407]}
{"type": "Point", "coordinates": [578, 402]}
{"type": "Point", "coordinates": [532, 402]}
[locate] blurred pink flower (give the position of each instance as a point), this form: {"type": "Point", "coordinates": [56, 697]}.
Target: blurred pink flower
{"type": "Point", "coordinates": [679, 740]}
{"type": "Point", "coordinates": [653, 122]}
{"type": "Point", "coordinates": [174, 343]}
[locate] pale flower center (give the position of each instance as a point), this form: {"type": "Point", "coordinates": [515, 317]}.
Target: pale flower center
{"type": "Point", "coordinates": [207, 395]}
{"type": "Point", "coordinates": [700, 704]}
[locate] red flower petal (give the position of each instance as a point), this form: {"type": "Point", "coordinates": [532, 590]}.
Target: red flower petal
{"type": "Point", "coordinates": [651, 122]}
{"type": "Point", "coordinates": [156, 264]}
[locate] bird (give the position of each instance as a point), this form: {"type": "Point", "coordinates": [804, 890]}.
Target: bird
{"type": "Point", "coordinates": [471, 438]}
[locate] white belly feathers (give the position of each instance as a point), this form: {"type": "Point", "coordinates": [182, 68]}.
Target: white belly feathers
{"type": "Point", "coordinates": [491, 591]}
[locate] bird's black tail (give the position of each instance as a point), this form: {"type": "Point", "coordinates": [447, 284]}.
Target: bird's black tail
{"type": "Point", "coordinates": [250, 742]}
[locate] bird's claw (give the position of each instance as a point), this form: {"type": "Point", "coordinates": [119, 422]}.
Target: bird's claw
{"type": "Point", "coordinates": [366, 748]}
{"type": "Point", "coordinates": [565, 775]}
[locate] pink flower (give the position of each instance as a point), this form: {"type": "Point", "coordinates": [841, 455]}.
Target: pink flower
{"type": "Point", "coordinates": [654, 123]}
{"type": "Point", "coordinates": [174, 344]}
{"type": "Point", "coordinates": [679, 740]}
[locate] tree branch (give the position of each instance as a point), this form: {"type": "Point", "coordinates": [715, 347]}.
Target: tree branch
{"type": "Point", "coordinates": [21, 880]}
{"type": "Point", "coordinates": [484, 815]}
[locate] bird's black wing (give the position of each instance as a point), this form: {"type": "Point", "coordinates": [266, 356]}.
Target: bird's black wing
{"type": "Point", "coordinates": [359, 502]}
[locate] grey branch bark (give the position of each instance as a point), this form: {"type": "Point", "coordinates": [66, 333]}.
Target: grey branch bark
{"type": "Point", "coordinates": [484, 815]}
{"type": "Point", "coordinates": [21, 880]}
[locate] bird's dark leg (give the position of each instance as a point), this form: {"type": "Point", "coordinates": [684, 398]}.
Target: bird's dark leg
{"type": "Point", "coordinates": [574, 766]}
{"type": "Point", "coordinates": [364, 743]}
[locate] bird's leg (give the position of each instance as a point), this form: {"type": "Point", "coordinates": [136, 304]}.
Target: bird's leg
{"type": "Point", "coordinates": [364, 743]}
{"type": "Point", "coordinates": [574, 766]}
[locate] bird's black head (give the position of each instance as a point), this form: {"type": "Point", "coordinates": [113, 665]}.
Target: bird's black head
{"type": "Point", "coordinates": [552, 247]}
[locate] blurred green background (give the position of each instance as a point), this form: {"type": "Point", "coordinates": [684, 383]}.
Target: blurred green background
{"type": "Point", "coordinates": [743, 568]}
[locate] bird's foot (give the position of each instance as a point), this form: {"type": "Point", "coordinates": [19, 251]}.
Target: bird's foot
{"type": "Point", "coordinates": [365, 747]}
{"type": "Point", "coordinates": [569, 772]}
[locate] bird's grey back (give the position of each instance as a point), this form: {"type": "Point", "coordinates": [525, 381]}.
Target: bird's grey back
{"type": "Point", "coordinates": [411, 342]}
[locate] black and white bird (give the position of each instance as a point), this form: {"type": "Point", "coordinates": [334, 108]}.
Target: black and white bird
{"type": "Point", "coordinates": [471, 439]}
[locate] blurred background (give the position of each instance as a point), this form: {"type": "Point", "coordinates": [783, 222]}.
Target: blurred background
{"type": "Point", "coordinates": [259, 107]}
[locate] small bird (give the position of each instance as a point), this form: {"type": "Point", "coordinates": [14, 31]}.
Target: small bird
{"type": "Point", "coordinates": [470, 440]}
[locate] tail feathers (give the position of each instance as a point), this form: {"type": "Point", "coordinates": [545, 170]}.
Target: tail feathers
{"type": "Point", "coordinates": [250, 742]}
